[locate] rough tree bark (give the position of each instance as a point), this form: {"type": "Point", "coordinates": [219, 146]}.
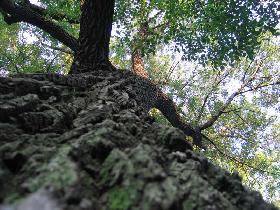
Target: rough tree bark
{"type": "Point", "coordinates": [138, 64]}
{"type": "Point", "coordinates": [95, 32]}
{"type": "Point", "coordinates": [85, 141]}
{"type": "Point", "coordinates": [91, 16]}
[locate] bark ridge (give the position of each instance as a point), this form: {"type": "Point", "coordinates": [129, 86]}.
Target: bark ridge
{"type": "Point", "coordinates": [87, 142]}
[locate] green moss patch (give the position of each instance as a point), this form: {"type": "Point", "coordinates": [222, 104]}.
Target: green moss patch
{"type": "Point", "coordinates": [59, 171]}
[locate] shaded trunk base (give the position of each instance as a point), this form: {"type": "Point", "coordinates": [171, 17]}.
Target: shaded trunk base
{"type": "Point", "coordinates": [86, 142]}
{"type": "Point", "coordinates": [78, 68]}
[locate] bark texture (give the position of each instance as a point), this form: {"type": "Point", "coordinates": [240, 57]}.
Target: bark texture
{"type": "Point", "coordinates": [83, 142]}
{"type": "Point", "coordinates": [138, 66]}
{"type": "Point", "coordinates": [162, 101]}
{"type": "Point", "coordinates": [95, 32]}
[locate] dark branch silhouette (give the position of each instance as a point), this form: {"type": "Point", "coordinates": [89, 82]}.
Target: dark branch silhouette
{"type": "Point", "coordinates": [14, 13]}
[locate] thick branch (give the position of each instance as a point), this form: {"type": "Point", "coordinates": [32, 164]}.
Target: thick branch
{"type": "Point", "coordinates": [138, 64]}
{"type": "Point", "coordinates": [24, 13]}
{"type": "Point", "coordinates": [136, 58]}
{"type": "Point", "coordinates": [168, 109]}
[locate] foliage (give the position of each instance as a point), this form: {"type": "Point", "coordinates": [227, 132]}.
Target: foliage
{"type": "Point", "coordinates": [208, 31]}
{"type": "Point", "coordinates": [66, 12]}
{"type": "Point", "coordinates": [245, 138]}
{"type": "Point", "coordinates": [8, 39]}
{"type": "Point", "coordinates": [22, 52]}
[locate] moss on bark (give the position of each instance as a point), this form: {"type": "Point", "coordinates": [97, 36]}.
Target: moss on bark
{"type": "Point", "coordinates": [87, 142]}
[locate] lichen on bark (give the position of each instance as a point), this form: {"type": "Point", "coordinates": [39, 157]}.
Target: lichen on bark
{"type": "Point", "coordinates": [88, 142]}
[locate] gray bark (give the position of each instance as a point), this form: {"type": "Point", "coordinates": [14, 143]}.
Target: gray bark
{"type": "Point", "coordinates": [86, 142]}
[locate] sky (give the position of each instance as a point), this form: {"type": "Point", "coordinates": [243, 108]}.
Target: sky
{"type": "Point", "coordinates": [34, 2]}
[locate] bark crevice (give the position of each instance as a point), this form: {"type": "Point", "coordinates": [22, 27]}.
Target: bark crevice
{"type": "Point", "coordinates": [111, 156]}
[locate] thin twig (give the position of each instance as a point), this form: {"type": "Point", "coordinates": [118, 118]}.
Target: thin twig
{"type": "Point", "coordinates": [236, 160]}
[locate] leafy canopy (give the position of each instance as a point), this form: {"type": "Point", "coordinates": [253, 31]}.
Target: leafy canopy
{"type": "Point", "coordinates": [207, 30]}
{"type": "Point", "coordinates": [245, 137]}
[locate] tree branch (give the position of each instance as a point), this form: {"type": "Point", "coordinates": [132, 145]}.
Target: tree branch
{"type": "Point", "coordinates": [236, 160]}
{"type": "Point", "coordinates": [232, 110]}
{"type": "Point", "coordinates": [155, 16]}
{"type": "Point", "coordinates": [169, 110]}
{"type": "Point", "coordinates": [215, 117]}
{"type": "Point", "coordinates": [201, 111]}
{"type": "Point", "coordinates": [23, 13]}
{"type": "Point", "coordinates": [165, 24]}
{"type": "Point", "coordinates": [260, 87]}
{"type": "Point", "coordinates": [50, 64]}
{"type": "Point", "coordinates": [171, 70]}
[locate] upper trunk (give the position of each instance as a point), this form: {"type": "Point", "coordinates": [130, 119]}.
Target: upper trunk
{"type": "Point", "coordinates": [95, 32]}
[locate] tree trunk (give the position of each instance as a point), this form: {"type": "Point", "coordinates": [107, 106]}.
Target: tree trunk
{"type": "Point", "coordinates": [86, 142]}
{"type": "Point", "coordinates": [138, 64]}
{"type": "Point", "coordinates": [137, 61]}
{"type": "Point", "coordinates": [95, 32]}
